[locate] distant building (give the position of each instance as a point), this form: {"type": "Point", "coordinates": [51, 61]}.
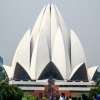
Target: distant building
{"type": "Point", "coordinates": [2, 71]}
{"type": "Point", "coordinates": [1, 60]}
{"type": "Point", "coordinates": [49, 50]}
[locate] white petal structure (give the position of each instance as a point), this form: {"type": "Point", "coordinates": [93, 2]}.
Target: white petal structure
{"type": "Point", "coordinates": [91, 72]}
{"type": "Point", "coordinates": [79, 73]}
{"type": "Point", "coordinates": [49, 51]}
{"type": "Point", "coordinates": [58, 55]}
{"type": "Point", "coordinates": [22, 54]}
{"type": "Point", "coordinates": [77, 52]}
{"type": "Point", "coordinates": [9, 71]}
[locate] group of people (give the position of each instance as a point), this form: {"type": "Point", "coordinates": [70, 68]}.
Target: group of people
{"type": "Point", "coordinates": [53, 97]}
{"type": "Point", "coordinates": [63, 97]}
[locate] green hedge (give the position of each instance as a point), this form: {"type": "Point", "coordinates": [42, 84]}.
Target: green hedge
{"type": "Point", "coordinates": [28, 97]}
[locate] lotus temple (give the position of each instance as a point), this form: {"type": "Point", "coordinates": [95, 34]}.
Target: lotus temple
{"type": "Point", "coordinates": [50, 51]}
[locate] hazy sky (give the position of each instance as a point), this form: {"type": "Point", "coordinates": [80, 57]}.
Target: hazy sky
{"type": "Point", "coordinates": [83, 16]}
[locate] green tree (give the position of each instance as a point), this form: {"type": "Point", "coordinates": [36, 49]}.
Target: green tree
{"type": "Point", "coordinates": [94, 91]}
{"type": "Point", "coordinates": [10, 92]}
{"type": "Point", "coordinates": [98, 83]}
{"type": "Point", "coordinates": [3, 75]}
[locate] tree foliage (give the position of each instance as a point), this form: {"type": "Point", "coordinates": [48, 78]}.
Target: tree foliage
{"type": "Point", "coordinates": [3, 75]}
{"type": "Point", "coordinates": [10, 92]}
{"type": "Point", "coordinates": [94, 91]}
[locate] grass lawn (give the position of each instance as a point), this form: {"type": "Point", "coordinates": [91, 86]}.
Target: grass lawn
{"type": "Point", "coordinates": [29, 97]}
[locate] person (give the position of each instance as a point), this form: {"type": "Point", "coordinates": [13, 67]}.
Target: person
{"type": "Point", "coordinates": [66, 98]}
{"type": "Point", "coordinates": [57, 97]}
{"type": "Point", "coordinates": [51, 97]}
{"type": "Point", "coordinates": [98, 97]}
{"type": "Point", "coordinates": [45, 97]}
{"type": "Point", "coordinates": [84, 97]}
{"type": "Point", "coordinates": [39, 97]}
{"type": "Point", "coordinates": [70, 98]}
{"type": "Point", "coordinates": [62, 97]}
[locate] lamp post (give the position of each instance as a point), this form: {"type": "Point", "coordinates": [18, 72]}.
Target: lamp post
{"type": "Point", "coordinates": [50, 88]}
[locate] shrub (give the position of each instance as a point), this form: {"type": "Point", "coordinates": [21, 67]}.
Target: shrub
{"type": "Point", "coordinates": [28, 97]}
